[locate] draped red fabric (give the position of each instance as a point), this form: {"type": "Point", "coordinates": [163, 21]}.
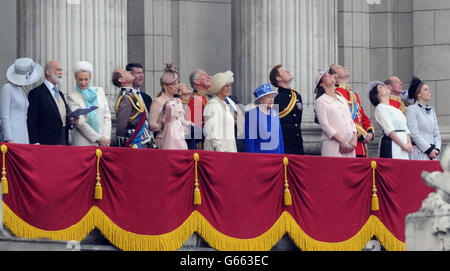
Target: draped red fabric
{"type": "Point", "coordinates": [151, 192]}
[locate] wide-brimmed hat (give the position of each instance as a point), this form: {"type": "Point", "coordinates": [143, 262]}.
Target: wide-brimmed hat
{"type": "Point", "coordinates": [264, 90]}
{"type": "Point", "coordinates": [220, 80]}
{"type": "Point", "coordinates": [414, 87]}
{"type": "Point", "coordinates": [24, 72]}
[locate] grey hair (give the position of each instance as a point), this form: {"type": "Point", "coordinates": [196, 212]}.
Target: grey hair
{"type": "Point", "coordinates": [194, 76]}
{"type": "Point", "coordinates": [83, 66]}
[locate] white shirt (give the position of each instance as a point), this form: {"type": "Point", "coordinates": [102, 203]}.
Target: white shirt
{"type": "Point", "coordinates": [50, 87]}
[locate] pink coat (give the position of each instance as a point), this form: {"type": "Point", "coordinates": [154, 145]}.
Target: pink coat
{"type": "Point", "coordinates": [335, 118]}
{"type": "Point", "coordinates": [174, 124]}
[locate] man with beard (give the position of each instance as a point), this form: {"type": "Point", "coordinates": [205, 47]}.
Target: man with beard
{"type": "Point", "coordinates": [47, 121]}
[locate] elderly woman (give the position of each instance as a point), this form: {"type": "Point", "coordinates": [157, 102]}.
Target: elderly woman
{"type": "Point", "coordinates": [396, 141]}
{"type": "Point", "coordinates": [422, 122]}
{"type": "Point", "coordinates": [219, 119]}
{"type": "Point", "coordinates": [93, 129]}
{"type": "Point", "coordinates": [169, 83]}
{"type": "Point", "coordinates": [263, 132]}
{"type": "Point", "coordinates": [14, 101]}
{"type": "Point", "coordinates": [338, 129]}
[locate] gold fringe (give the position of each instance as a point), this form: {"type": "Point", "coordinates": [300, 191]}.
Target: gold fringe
{"type": "Point", "coordinates": [197, 223]}
{"type": "Point", "coordinates": [22, 229]}
{"type": "Point", "coordinates": [5, 189]}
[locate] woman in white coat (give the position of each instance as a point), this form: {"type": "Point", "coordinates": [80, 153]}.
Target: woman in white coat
{"type": "Point", "coordinates": [93, 129]}
{"type": "Point", "coordinates": [219, 119]}
{"type": "Point", "coordinates": [14, 101]}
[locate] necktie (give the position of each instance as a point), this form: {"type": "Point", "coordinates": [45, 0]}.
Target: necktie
{"type": "Point", "coordinates": [56, 93]}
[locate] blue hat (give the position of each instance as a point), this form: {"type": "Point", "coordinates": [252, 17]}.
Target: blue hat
{"type": "Point", "coordinates": [264, 90]}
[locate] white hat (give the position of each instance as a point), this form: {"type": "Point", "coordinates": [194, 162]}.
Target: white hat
{"type": "Point", "coordinates": [24, 72]}
{"type": "Point", "coordinates": [83, 66]}
{"type": "Point", "coordinates": [220, 80]}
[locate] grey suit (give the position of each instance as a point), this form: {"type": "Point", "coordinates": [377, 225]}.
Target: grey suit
{"type": "Point", "coordinates": [13, 112]}
{"type": "Point", "coordinates": [425, 134]}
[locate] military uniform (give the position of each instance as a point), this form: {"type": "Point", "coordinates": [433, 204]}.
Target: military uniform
{"type": "Point", "coordinates": [194, 113]}
{"type": "Point", "coordinates": [363, 124]}
{"type": "Point", "coordinates": [397, 102]}
{"type": "Point", "coordinates": [132, 122]}
{"type": "Point", "coordinates": [291, 111]}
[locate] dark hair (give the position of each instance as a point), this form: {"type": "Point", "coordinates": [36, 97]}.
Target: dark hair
{"type": "Point", "coordinates": [388, 82]}
{"type": "Point", "coordinates": [116, 76]}
{"type": "Point", "coordinates": [319, 92]}
{"type": "Point", "coordinates": [274, 74]}
{"type": "Point", "coordinates": [132, 66]}
{"type": "Point", "coordinates": [373, 96]}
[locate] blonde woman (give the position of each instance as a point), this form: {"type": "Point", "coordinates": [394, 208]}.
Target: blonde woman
{"type": "Point", "coordinates": [219, 119]}
{"type": "Point", "coordinates": [93, 129]}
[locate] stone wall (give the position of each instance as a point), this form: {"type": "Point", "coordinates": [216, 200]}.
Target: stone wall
{"type": "Point", "coordinates": [8, 32]}
{"type": "Point", "coordinates": [431, 57]}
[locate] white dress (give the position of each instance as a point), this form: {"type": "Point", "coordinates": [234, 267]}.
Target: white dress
{"type": "Point", "coordinates": [392, 120]}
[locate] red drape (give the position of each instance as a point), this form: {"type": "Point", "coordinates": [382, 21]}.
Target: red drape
{"type": "Point", "coordinates": [150, 192]}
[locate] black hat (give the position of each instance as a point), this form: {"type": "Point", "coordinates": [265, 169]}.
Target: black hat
{"type": "Point", "coordinates": [413, 87]}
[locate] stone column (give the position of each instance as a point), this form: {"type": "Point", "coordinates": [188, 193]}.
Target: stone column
{"type": "Point", "coordinates": [73, 30]}
{"type": "Point", "coordinates": [151, 39]}
{"type": "Point", "coordinates": [301, 35]}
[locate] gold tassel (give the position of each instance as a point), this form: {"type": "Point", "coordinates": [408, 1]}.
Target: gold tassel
{"type": "Point", "coordinates": [98, 195]}
{"type": "Point", "coordinates": [287, 192]}
{"type": "Point", "coordinates": [375, 203]}
{"type": "Point", "coordinates": [197, 195]}
{"type": "Point", "coordinates": [5, 189]}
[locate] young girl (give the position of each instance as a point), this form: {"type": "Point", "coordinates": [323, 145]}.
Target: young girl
{"type": "Point", "coordinates": [173, 124]}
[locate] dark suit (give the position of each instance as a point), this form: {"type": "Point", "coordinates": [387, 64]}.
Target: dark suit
{"type": "Point", "coordinates": [291, 123]}
{"type": "Point", "coordinates": [45, 125]}
{"type": "Point", "coordinates": [147, 100]}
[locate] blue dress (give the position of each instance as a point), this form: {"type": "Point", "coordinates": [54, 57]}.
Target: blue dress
{"type": "Point", "coordinates": [263, 132]}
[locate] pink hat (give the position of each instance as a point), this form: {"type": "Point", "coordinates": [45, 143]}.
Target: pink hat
{"type": "Point", "coordinates": [320, 75]}
{"type": "Point", "coordinates": [170, 75]}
